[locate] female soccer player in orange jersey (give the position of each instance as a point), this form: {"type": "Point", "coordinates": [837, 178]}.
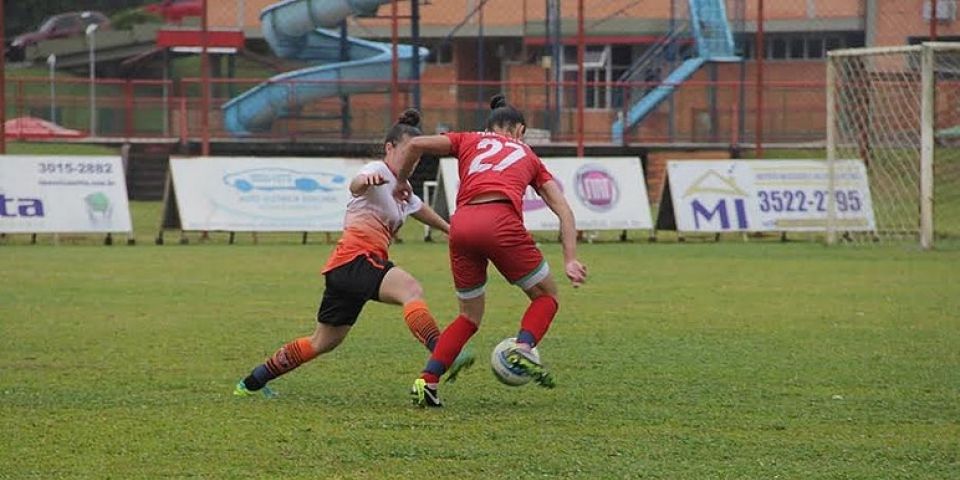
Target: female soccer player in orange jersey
{"type": "Point", "coordinates": [495, 168]}
{"type": "Point", "coordinates": [358, 270]}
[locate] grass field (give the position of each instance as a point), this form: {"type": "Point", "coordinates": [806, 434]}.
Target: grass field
{"type": "Point", "coordinates": [676, 361]}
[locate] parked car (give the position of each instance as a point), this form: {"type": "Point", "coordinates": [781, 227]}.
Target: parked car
{"type": "Point", "coordinates": [174, 11]}
{"type": "Point", "coordinates": [63, 25]}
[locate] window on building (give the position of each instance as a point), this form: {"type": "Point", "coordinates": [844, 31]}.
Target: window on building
{"type": "Point", "coordinates": [854, 40]}
{"type": "Point", "coordinates": [746, 48]}
{"type": "Point", "coordinates": [621, 55]}
{"type": "Point", "coordinates": [778, 48]}
{"type": "Point", "coordinates": [832, 43]}
{"type": "Point", "coordinates": [797, 47]}
{"type": "Point", "coordinates": [814, 47]}
{"type": "Point", "coordinates": [441, 53]}
{"type": "Point", "coordinates": [598, 69]}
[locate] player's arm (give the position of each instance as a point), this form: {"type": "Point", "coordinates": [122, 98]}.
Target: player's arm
{"type": "Point", "coordinates": [430, 217]}
{"type": "Point", "coordinates": [553, 197]}
{"type": "Point", "coordinates": [365, 180]}
{"type": "Point", "coordinates": [410, 153]}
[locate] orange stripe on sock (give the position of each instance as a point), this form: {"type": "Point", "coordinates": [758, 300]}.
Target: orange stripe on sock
{"type": "Point", "coordinates": [421, 322]}
{"type": "Point", "coordinates": [291, 356]}
{"type": "Point", "coordinates": [413, 306]}
{"type": "Point", "coordinates": [307, 352]}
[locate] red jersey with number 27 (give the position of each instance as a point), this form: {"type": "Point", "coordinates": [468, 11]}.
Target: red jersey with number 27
{"type": "Point", "coordinates": [490, 162]}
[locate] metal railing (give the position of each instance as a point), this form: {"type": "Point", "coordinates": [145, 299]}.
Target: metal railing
{"type": "Point", "coordinates": [173, 110]}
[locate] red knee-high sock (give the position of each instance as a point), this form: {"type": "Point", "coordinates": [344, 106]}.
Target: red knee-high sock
{"type": "Point", "coordinates": [451, 341]}
{"type": "Point", "coordinates": [536, 320]}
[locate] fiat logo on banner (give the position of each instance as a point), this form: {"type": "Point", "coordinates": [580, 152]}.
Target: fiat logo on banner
{"type": "Point", "coordinates": [596, 188]}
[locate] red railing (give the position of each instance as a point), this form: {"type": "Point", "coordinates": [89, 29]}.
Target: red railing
{"type": "Point", "coordinates": [793, 111]}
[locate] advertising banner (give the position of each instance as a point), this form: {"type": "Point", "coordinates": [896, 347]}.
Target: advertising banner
{"type": "Point", "coordinates": [604, 193]}
{"type": "Point", "coordinates": [63, 194]}
{"type": "Point", "coordinates": [260, 194]}
{"type": "Point", "coordinates": [767, 195]}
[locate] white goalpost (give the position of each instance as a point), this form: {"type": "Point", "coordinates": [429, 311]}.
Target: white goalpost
{"type": "Point", "coordinates": [898, 110]}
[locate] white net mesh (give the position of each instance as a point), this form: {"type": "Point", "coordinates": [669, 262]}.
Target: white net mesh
{"type": "Point", "coordinates": [877, 117]}
{"type": "Point", "coordinates": [946, 161]}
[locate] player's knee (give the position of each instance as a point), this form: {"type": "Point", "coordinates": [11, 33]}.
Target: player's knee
{"type": "Point", "coordinates": [413, 289]}
{"type": "Point", "coordinates": [406, 288]}
{"type": "Point", "coordinates": [322, 342]}
{"type": "Point", "coordinates": [472, 310]}
{"type": "Point", "coordinates": [542, 289]}
{"type": "Point", "coordinates": [473, 317]}
{"type": "Point", "coordinates": [324, 345]}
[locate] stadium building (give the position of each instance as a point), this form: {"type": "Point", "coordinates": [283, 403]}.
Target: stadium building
{"type": "Point", "coordinates": [481, 47]}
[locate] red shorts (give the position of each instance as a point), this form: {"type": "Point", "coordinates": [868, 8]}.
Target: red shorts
{"type": "Point", "coordinates": [492, 232]}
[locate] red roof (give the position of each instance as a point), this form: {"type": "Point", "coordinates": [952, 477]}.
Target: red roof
{"type": "Point", "coordinates": [27, 128]}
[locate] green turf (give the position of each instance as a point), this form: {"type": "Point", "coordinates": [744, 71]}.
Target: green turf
{"type": "Point", "coordinates": [729, 360]}
{"type": "Point", "coordinates": [43, 148]}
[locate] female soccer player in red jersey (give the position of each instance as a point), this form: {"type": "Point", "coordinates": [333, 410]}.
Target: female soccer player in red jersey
{"type": "Point", "coordinates": [495, 169]}
{"type": "Point", "coordinates": [358, 269]}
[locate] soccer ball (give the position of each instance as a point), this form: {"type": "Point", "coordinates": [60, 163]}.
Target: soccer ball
{"type": "Point", "coordinates": [506, 373]}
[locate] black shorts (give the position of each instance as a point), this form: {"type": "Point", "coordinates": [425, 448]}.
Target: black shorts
{"type": "Point", "coordinates": [349, 287]}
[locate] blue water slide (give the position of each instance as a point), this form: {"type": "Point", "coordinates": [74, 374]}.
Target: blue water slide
{"type": "Point", "coordinates": [648, 102]}
{"type": "Point", "coordinates": [295, 29]}
{"type": "Point", "coordinates": [714, 37]}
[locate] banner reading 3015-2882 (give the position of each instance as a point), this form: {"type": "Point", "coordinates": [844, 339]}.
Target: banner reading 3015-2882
{"type": "Point", "coordinates": [63, 194]}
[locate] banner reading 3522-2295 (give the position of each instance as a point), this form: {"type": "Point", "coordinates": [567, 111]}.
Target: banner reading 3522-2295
{"type": "Point", "coordinates": [63, 194]}
{"type": "Point", "coordinates": [769, 195]}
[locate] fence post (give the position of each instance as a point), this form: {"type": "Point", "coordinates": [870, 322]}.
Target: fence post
{"type": "Point", "coordinates": [394, 63]}
{"type": "Point", "coordinates": [928, 96]}
{"type": "Point", "coordinates": [183, 118]}
{"type": "Point", "coordinates": [581, 77]}
{"type": "Point", "coordinates": [128, 107]}
{"type": "Point", "coordinates": [204, 83]}
{"type": "Point", "coordinates": [831, 149]}
{"type": "Point", "coordinates": [760, 53]}
{"type": "Point", "coordinates": [3, 88]}
{"type": "Point", "coordinates": [20, 97]}
{"type": "Point", "coordinates": [933, 20]}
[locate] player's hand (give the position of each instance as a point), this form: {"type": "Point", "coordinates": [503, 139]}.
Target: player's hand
{"type": "Point", "coordinates": [576, 272]}
{"type": "Point", "coordinates": [373, 179]}
{"type": "Point", "coordinates": [402, 191]}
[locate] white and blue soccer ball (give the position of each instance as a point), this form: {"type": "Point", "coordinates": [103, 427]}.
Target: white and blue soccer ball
{"type": "Point", "coordinates": [503, 370]}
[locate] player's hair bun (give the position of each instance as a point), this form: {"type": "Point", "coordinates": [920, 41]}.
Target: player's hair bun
{"type": "Point", "coordinates": [410, 117]}
{"type": "Point", "coordinates": [497, 101]}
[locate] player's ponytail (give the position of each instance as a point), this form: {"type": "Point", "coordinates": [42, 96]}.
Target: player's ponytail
{"type": "Point", "coordinates": [503, 115]}
{"type": "Point", "coordinates": [408, 125]}
{"type": "Point", "coordinates": [498, 101]}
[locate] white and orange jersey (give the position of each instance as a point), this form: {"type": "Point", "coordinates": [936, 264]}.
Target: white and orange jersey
{"type": "Point", "coordinates": [372, 219]}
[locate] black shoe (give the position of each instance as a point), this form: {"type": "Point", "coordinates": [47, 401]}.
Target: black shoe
{"type": "Point", "coordinates": [425, 395]}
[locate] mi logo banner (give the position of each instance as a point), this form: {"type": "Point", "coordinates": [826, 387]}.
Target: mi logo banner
{"type": "Point", "coordinates": [763, 196]}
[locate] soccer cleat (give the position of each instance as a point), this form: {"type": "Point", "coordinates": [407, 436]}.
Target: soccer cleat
{"type": "Point", "coordinates": [521, 359]}
{"type": "Point", "coordinates": [424, 395]}
{"type": "Point", "coordinates": [463, 361]}
{"type": "Point", "coordinates": [241, 390]}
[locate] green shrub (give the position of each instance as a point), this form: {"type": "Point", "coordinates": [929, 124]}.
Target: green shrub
{"type": "Point", "coordinates": [126, 19]}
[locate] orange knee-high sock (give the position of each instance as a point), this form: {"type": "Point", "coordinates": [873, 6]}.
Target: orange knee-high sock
{"type": "Point", "coordinates": [421, 323]}
{"type": "Point", "coordinates": [291, 356]}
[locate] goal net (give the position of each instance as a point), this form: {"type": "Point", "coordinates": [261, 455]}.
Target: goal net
{"type": "Point", "coordinates": [898, 110]}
